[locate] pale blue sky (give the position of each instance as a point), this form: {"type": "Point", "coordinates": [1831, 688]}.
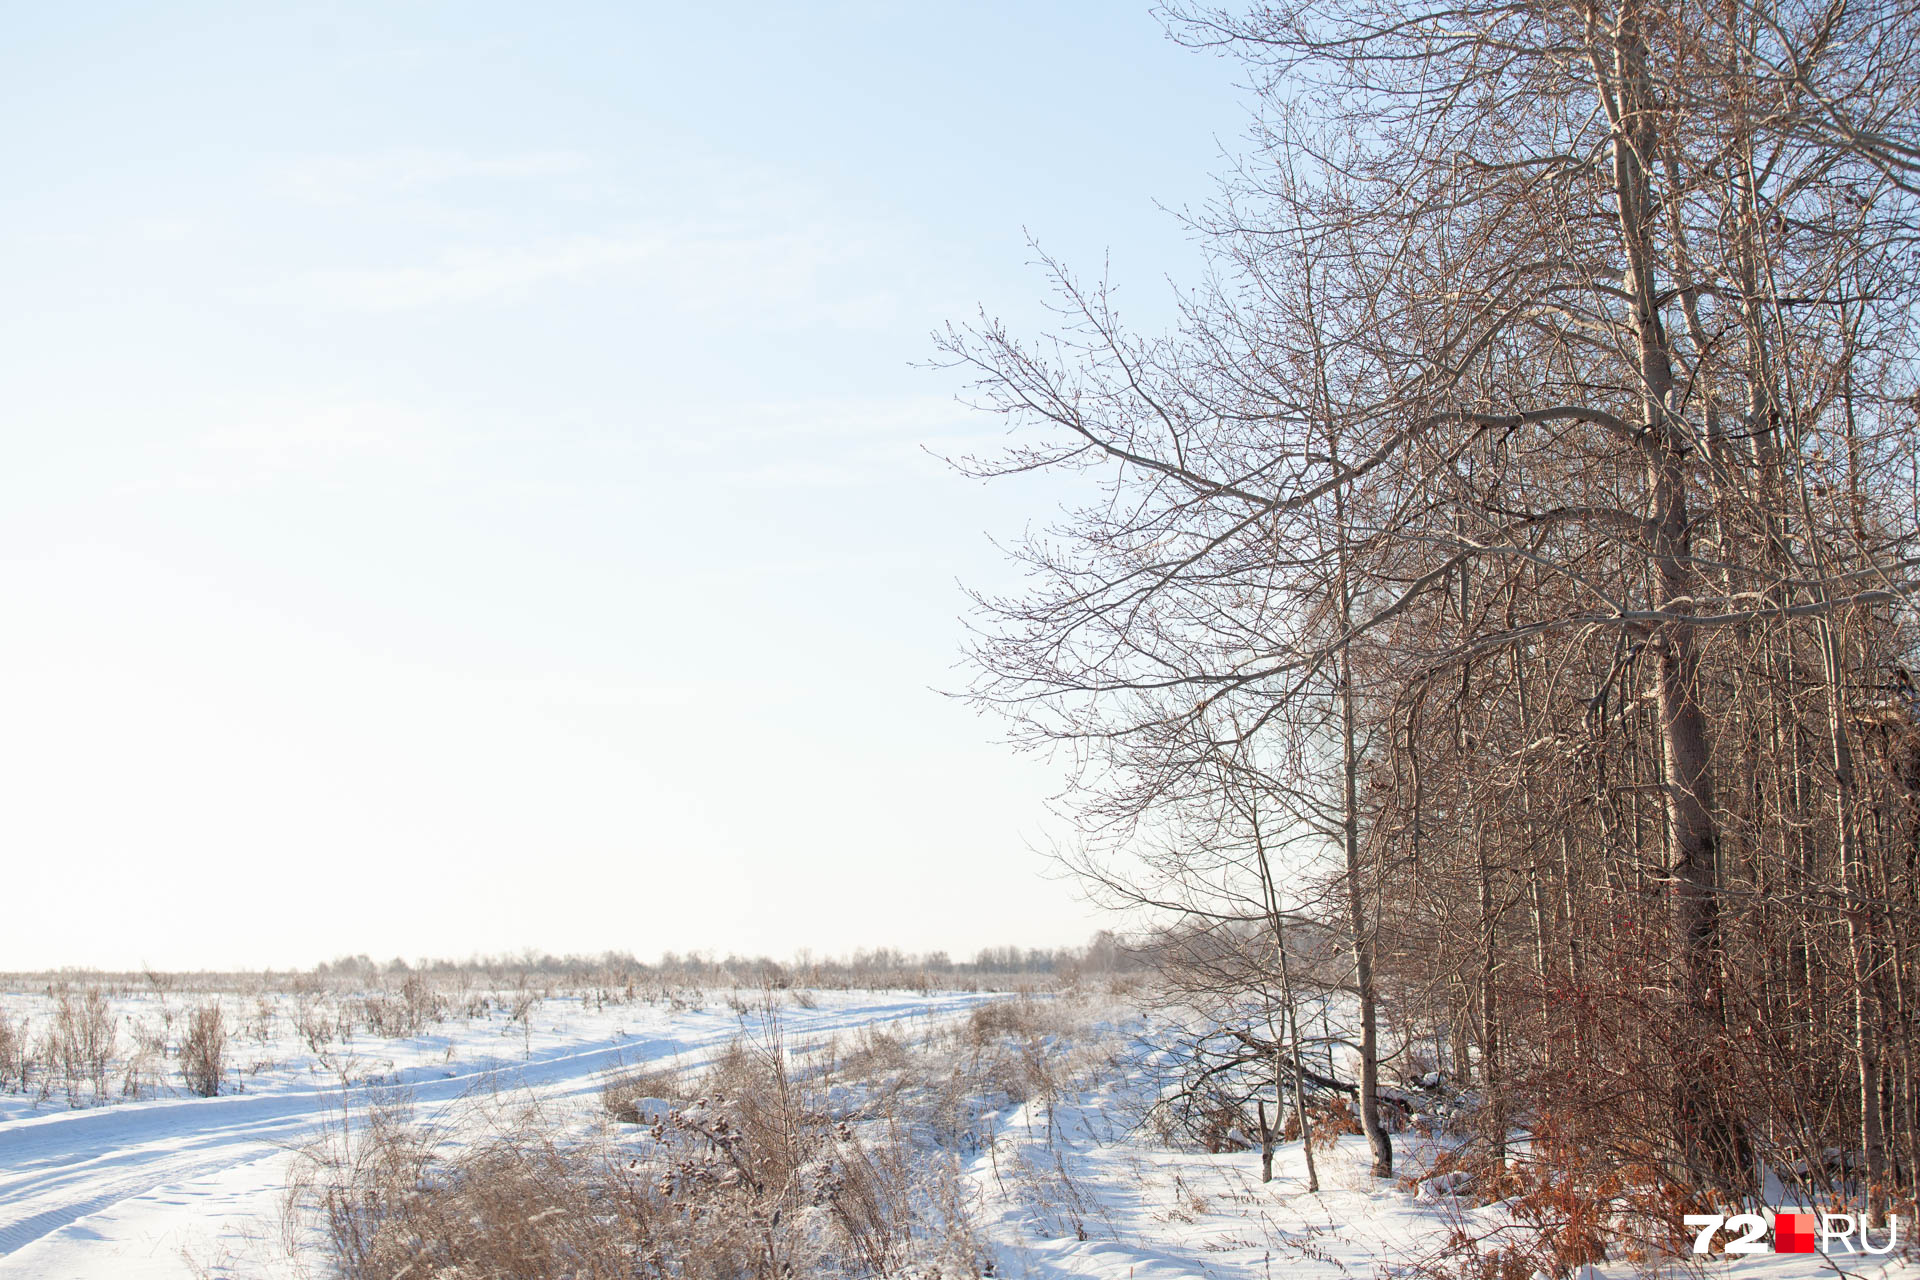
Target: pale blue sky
{"type": "Point", "coordinates": [466, 487]}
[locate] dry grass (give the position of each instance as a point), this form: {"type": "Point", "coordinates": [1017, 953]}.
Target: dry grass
{"type": "Point", "coordinates": [1018, 1018]}
{"type": "Point", "coordinates": [845, 1161]}
{"type": "Point", "coordinates": [77, 1048]}
{"type": "Point", "coordinates": [58, 1031]}
{"type": "Point", "coordinates": [144, 1069]}
{"type": "Point", "coordinates": [747, 1179]}
{"type": "Point", "coordinates": [638, 1097]}
{"type": "Point", "coordinates": [16, 1053]}
{"type": "Point", "coordinates": [203, 1050]}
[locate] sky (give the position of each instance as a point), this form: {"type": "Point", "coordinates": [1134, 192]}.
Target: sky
{"type": "Point", "coordinates": [472, 480]}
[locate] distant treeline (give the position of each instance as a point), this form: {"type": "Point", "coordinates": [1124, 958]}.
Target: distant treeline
{"type": "Point", "coordinates": [879, 967]}
{"type": "Point", "coordinates": [882, 966]}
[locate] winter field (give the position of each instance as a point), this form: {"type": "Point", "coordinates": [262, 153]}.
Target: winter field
{"type": "Point", "coordinates": [528, 1130]}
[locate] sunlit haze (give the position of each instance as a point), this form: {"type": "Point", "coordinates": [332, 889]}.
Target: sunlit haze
{"type": "Point", "coordinates": [469, 485]}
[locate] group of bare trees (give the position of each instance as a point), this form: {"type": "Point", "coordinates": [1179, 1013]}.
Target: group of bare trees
{"type": "Point", "coordinates": [1510, 564]}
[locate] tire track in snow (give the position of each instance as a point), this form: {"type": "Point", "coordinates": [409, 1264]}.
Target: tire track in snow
{"type": "Point", "coordinates": [59, 1168]}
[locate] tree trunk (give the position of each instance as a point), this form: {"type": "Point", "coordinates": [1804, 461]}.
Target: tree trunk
{"type": "Point", "coordinates": [1854, 894]}
{"type": "Point", "coordinates": [1293, 1037]}
{"type": "Point", "coordinates": [1376, 1132]}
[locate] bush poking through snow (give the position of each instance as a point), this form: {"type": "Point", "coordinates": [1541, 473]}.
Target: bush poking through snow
{"type": "Point", "coordinates": [145, 1068]}
{"type": "Point", "coordinates": [753, 1177]}
{"type": "Point", "coordinates": [203, 1051]}
{"type": "Point", "coordinates": [1001, 1018]}
{"type": "Point", "coordinates": [72, 1055]}
{"type": "Point", "coordinates": [844, 1159]}
{"type": "Point", "coordinates": [625, 1097]}
{"type": "Point", "coordinates": [16, 1053]}
{"type": "Point", "coordinates": [78, 1045]}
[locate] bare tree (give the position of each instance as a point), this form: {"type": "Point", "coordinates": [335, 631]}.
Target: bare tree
{"type": "Point", "coordinates": [1535, 474]}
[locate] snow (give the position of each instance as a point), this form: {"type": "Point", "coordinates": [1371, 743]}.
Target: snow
{"type": "Point", "coordinates": [1081, 1189]}
{"type": "Point", "coordinates": [1068, 1183]}
{"type": "Point", "coordinates": [169, 1187]}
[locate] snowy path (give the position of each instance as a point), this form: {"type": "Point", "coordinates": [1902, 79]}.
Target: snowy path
{"type": "Point", "coordinates": [1068, 1191]}
{"type": "Point", "coordinates": [115, 1191]}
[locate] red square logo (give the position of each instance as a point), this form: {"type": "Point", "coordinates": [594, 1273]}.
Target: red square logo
{"type": "Point", "coordinates": [1793, 1233]}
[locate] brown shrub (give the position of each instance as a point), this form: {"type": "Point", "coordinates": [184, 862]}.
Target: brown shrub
{"type": "Point", "coordinates": [1002, 1018]}
{"type": "Point", "coordinates": [16, 1054]}
{"type": "Point", "coordinates": [745, 1175]}
{"type": "Point", "coordinates": [203, 1050]}
{"type": "Point", "coordinates": [624, 1096]}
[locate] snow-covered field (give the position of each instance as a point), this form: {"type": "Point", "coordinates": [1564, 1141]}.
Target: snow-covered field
{"type": "Point", "coordinates": [167, 1186]}
{"type": "Point", "coordinates": [1059, 1176]}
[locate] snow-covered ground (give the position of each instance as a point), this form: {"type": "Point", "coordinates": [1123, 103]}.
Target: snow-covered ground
{"type": "Point", "coordinates": [167, 1186]}
{"type": "Point", "coordinates": [1076, 1189]}
{"type": "Point", "coordinates": [1063, 1179]}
